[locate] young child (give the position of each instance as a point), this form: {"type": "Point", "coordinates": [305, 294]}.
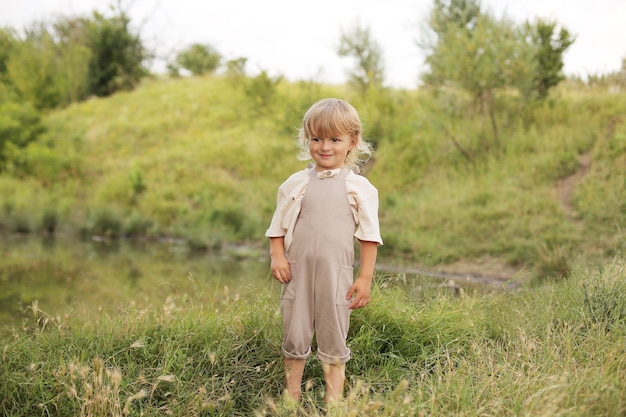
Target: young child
{"type": "Point", "coordinates": [320, 210]}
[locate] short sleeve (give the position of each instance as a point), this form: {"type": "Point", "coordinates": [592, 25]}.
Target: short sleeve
{"type": "Point", "coordinates": [287, 205]}
{"type": "Point", "coordinates": [363, 198]}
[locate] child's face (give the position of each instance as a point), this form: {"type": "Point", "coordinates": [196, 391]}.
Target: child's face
{"type": "Point", "coordinates": [330, 153]}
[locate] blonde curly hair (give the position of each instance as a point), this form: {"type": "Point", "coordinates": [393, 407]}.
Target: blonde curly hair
{"type": "Point", "coordinates": [332, 117]}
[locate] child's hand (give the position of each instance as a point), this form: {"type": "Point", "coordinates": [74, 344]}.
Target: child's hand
{"type": "Point", "coordinates": [361, 291]}
{"type": "Point", "coordinates": [280, 268]}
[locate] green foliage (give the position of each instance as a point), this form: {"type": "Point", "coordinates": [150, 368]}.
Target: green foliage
{"type": "Point", "coordinates": [261, 91]}
{"type": "Point", "coordinates": [549, 56]}
{"type": "Point", "coordinates": [491, 65]}
{"type": "Point", "coordinates": [482, 54]}
{"type": "Point", "coordinates": [45, 71]}
{"type": "Point", "coordinates": [605, 298]}
{"type": "Point", "coordinates": [137, 183]}
{"type": "Point", "coordinates": [20, 124]}
{"type": "Point", "coordinates": [236, 68]}
{"type": "Point", "coordinates": [489, 57]}
{"type": "Point", "coordinates": [47, 165]}
{"type": "Point", "coordinates": [65, 61]}
{"type": "Point", "coordinates": [49, 220]}
{"type": "Point", "coordinates": [462, 14]}
{"type": "Point", "coordinates": [479, 54]}
{"type": "Point", "coordinates": [199, 59]}
{"type": "Point", "coordinates": [378, 109]}
{"type": "Point", "coordinates": [116, 56]}
{"type": "Point", "coordinates": [24, 209]}
{"type": "Point", "coordinates": [72, 58]}
{"type": "Point", "coordinates": [8, 39]}
{"type": "Point", "coordinates": [31, 70]}
{"type": "Point", "coordinates": [73, 72]}
{"type": "Point", "coordinates": [368, 71]}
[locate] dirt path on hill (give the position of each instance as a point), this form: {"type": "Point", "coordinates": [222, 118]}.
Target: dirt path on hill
{"type": "Point", "coordinates": [494, 272]}
{"type": "Point", "coordinates": [486, 272]}
{"type": "Point", "coordinates": [565, 187]}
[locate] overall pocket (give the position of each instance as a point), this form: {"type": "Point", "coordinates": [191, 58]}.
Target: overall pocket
{"type": "Point", "coordinates": [288, 290]}
{"type": "Point", "coordinates": [344, 282]}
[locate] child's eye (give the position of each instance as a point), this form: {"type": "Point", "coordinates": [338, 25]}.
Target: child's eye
{"type": "Point", "coordinates": [315, 140]}
{"type": "Point", "coordinates": [335, 140]}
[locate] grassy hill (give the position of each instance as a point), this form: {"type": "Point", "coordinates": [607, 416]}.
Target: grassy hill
{"type": "Point", "coordinates": [200, 159]}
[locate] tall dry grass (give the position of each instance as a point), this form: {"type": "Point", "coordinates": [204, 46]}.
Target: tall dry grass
{"type": "Point", "coordinates": [553, 349]}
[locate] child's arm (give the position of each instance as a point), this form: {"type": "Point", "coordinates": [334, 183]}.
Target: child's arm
{"type": "Point", "coordinates": [279, 264]}
{"type": "Point", "coordinates": [362, 285]}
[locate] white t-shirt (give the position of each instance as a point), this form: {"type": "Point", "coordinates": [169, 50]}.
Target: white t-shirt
{"type": "Point", "coordinates": [362, 196]}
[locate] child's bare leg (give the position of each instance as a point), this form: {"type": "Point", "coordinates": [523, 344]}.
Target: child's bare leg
{"type": "Point", "coordinates": [335, 375]}
{"type": "Point", "coordinates": [294, 368]}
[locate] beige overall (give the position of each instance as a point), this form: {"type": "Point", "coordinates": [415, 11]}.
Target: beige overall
{"type": "Point", "coordinates": [321, 258]}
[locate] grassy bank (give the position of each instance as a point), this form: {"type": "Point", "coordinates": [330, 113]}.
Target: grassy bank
{"type": "Point", "coordinates": [549, 350]}
{"type": "Point", "coordinates": [200, 159]}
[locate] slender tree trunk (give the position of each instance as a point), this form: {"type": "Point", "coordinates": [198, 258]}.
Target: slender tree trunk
{"type": "Point", "coordinates": [494, 125]}
{"type": "Point", "coordinates": [457, 145]}
{"type": "Point", "coordinates": [488, 103]}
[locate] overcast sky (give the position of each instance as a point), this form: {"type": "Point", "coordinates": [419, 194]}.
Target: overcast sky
{"type": "Point", "coordinates": [298, 39]}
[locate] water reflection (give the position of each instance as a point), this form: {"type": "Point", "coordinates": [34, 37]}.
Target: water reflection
{"type": "Point", "coordinates": [68, 276]}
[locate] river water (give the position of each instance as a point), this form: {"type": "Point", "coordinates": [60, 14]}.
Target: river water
{"type": "Point", "coordinates": [55, 277]}
{"type": "Point", "coordinates": [62, 276]}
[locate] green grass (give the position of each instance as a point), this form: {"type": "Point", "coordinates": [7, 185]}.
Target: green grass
{"type": "Point", "coordinates": [552, 349]}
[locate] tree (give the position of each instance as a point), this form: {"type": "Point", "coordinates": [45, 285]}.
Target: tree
{"type": "Point", "coordinates": [549, 54]}
{"type": "Point", "coordinates": [8, 39]}
{"type": "Point", "coordinates": [479, 54]}
{"type": "Point", "coordinates": [474, 50]}
{"type": "Point", "coordinates": [117, 52]}
{"type": "Point", "coordinates": [31, 70]}
{"type": "Point", "coordinates": [199, 59]}
{"type": "Point", "coordinates": [462, 14]}
{"type": "Point", "coordinates": [484, 55]}
{"type": "Point", "coordinates": [73, 72]}
{"type": "Point", "coordinates": [369, 68]}
{"type": "Point", "coordinates": [236, 70]}
{"type": "Point", "coordinates": [55, 63]}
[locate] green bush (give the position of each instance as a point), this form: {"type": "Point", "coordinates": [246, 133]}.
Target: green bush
{"type": "Point", "coordinates": [31, 70]}
{"type": "Point", "coordinates": [605, 298]}
{"type": "Point", "coordinates": [48, 165]}
{"type": "Point", "coordinates": [67, 60]}
{"type": "Point", "coordinates": [116, 52]}
{"type": "Point", "coordinates": [8, 39]}
{"type": "Point", "coordinates": [199, 59]}
{"type": "Point", "coordinates": [106, 222]}
{"type": "Point", "coordinates": [20, 124]}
